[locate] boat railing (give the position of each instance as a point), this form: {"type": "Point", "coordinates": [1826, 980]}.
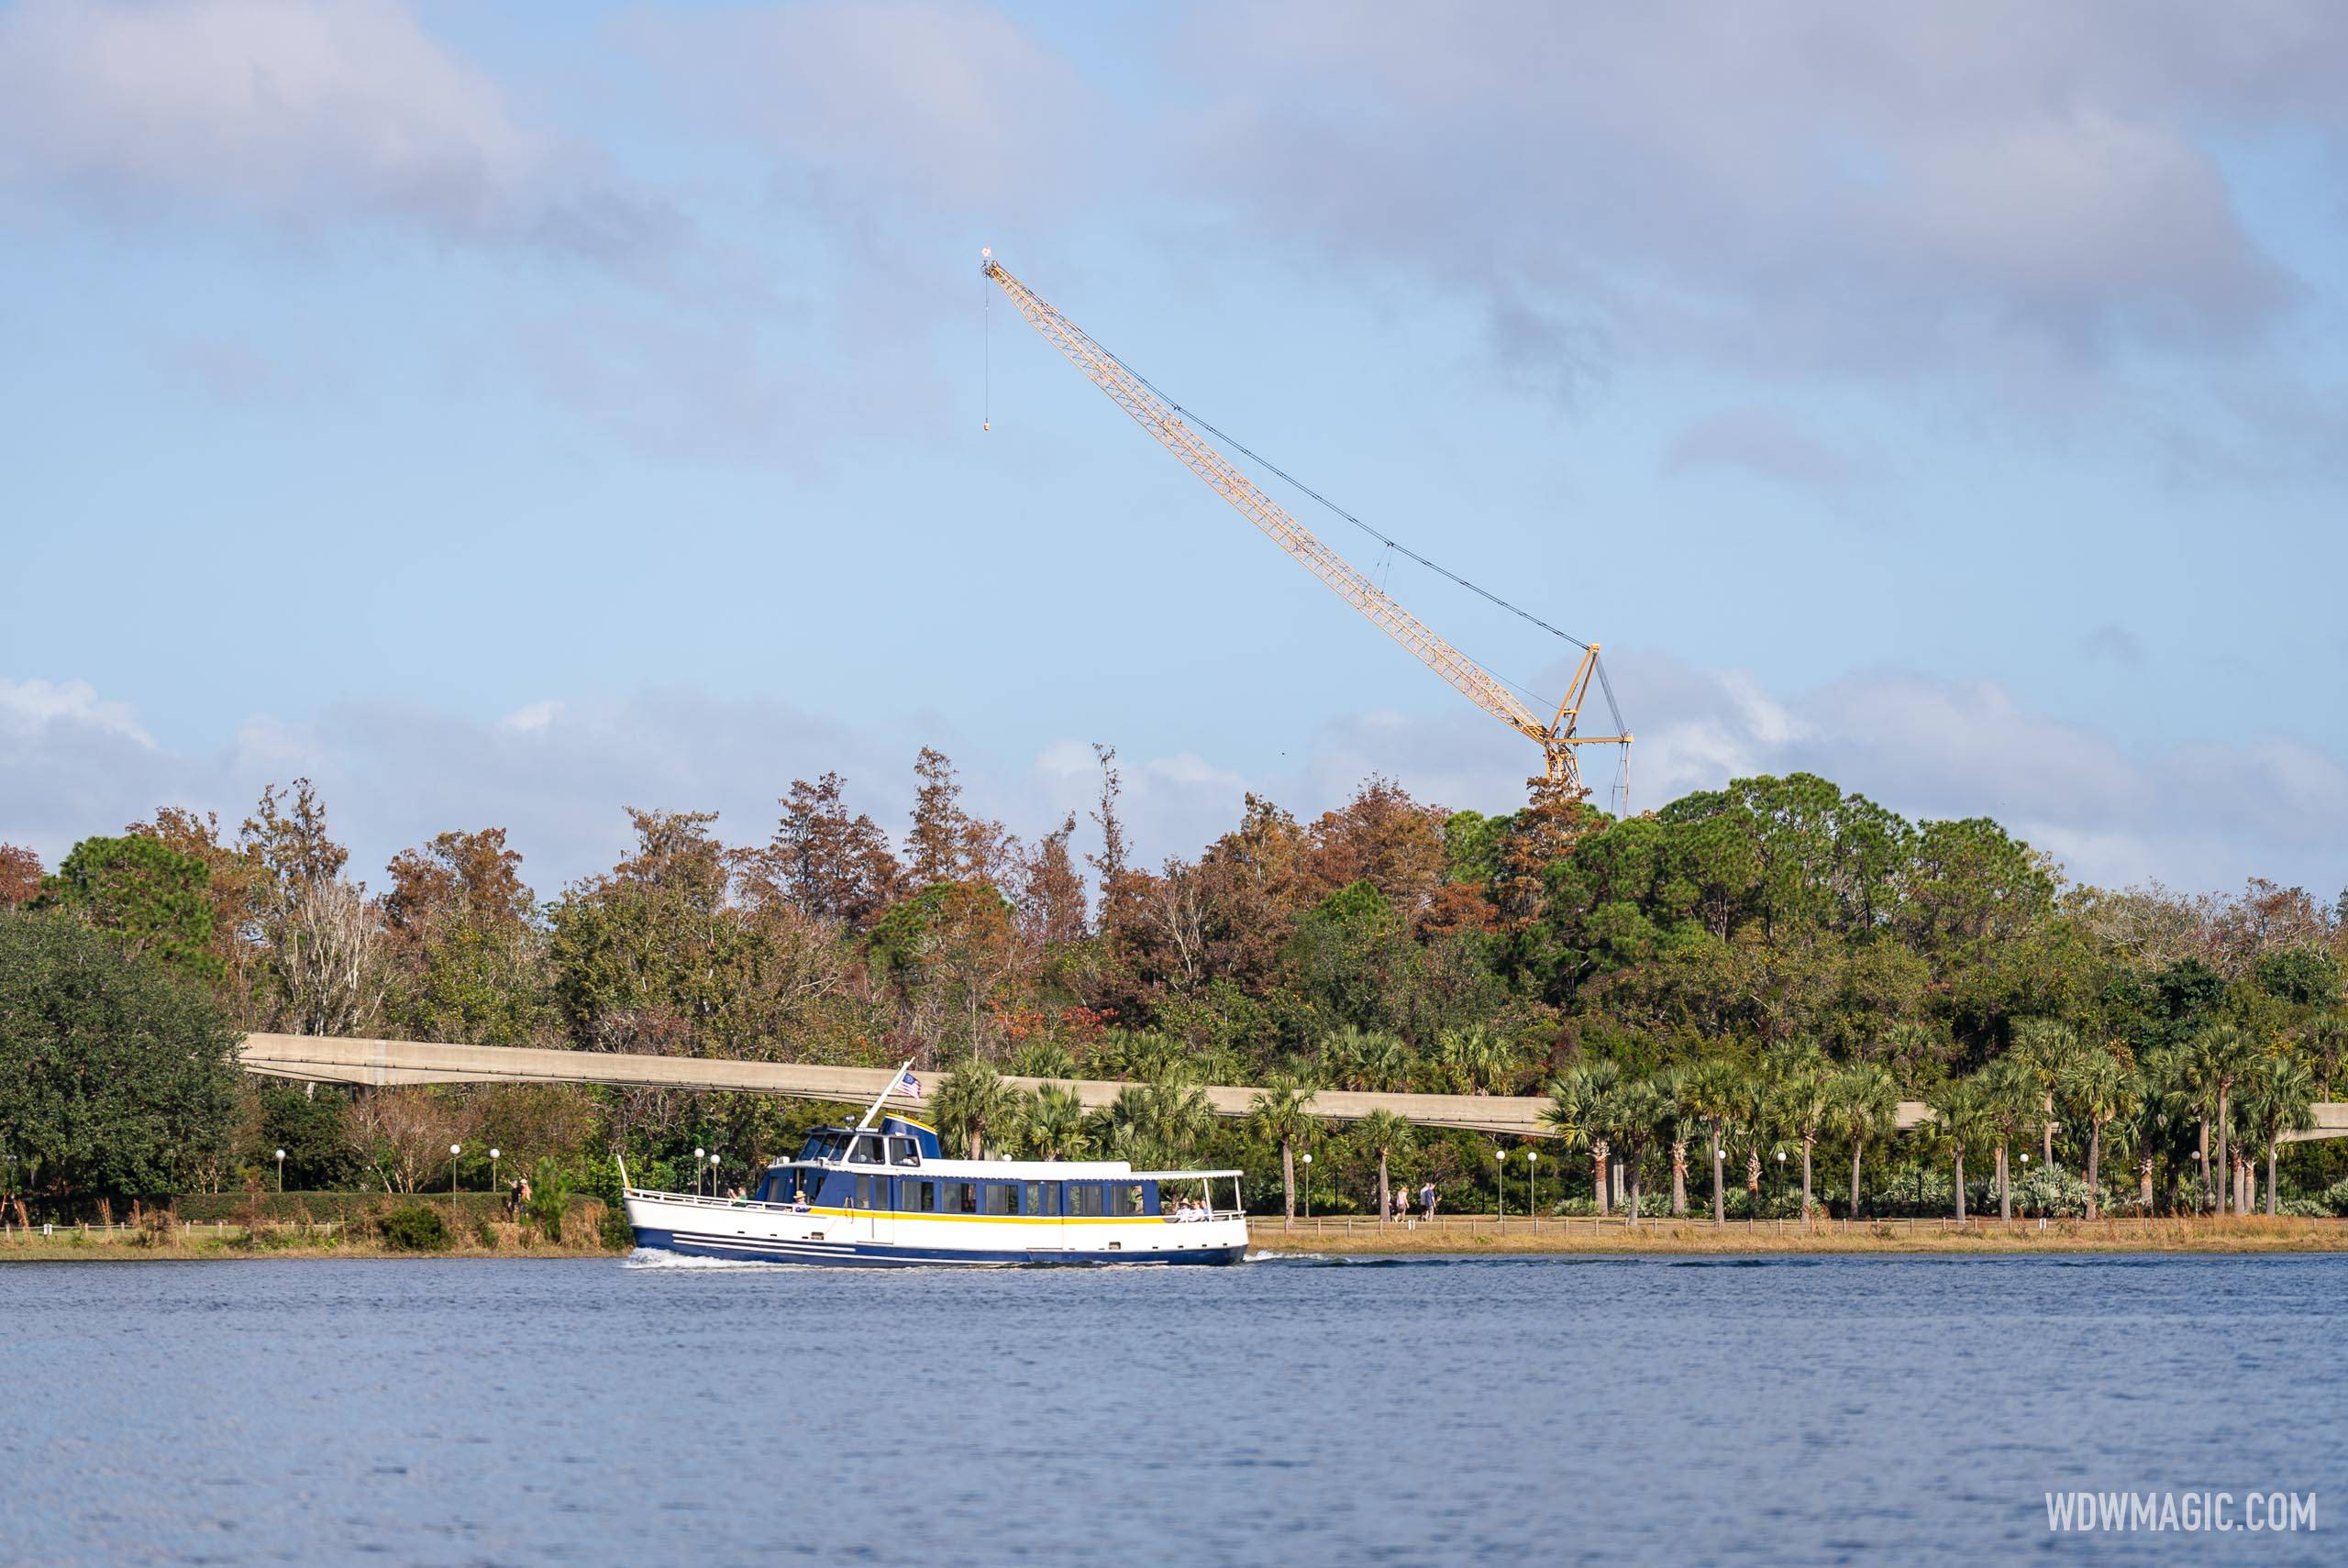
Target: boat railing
{"type": "Point", "coordinates": [707, 1201]}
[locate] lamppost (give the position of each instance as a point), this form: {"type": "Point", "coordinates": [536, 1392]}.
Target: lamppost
{"type": "Point", "coordinates": [699, 1154]}
{"type": "Point", "coordinates": [281, 1170]}
{"type": "Point", "coordinates": [1720, 1173]}
{"type": "Point", "coordinates": [713, 1172]}
{"type": "Point", "coordinates": [1308, 1184]}
{"type": "Point", "coordinates": [1500, 1182]}
{"type": "Point", "coordinates": [1781, 1175]}
{"type": "Point", "coordinates": [493, 1170]}
{"type": "Point", "coordinates": [2025, 1160]}
{"type": "Point", "coordinates": [454, 1150]}
{"type": "Point", "coordinates": [1533, 1184]}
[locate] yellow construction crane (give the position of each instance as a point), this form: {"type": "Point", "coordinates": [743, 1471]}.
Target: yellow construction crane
{"type": "Point", "coordinates": [1559, 738]}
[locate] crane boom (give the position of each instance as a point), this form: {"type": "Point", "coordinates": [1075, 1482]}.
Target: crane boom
{"type": "Point", "coordinates": [1557, 738]}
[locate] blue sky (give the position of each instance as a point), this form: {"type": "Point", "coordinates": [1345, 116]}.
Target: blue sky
{"type": "Point", "coordinates": [506, 414]}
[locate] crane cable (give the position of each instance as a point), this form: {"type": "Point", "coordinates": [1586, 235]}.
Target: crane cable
{"type": "Point", "coordinates": [1605, 685]}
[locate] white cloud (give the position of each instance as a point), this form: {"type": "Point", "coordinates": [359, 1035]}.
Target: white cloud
{"type": "Point", "coordinates": [73, 763]}
{"type": "Point", "coordinates": [945, 102]}
{"type": "Point", "coordinates": [531, 717]}
{"type": "Point", "coordinates": [301, 111]}
{"type": "Point", "coordinates": [1848, 184]}
{"type": "Point", "coordinates": [29, 708]}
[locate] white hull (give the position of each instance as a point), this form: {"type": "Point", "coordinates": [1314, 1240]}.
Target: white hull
{"type": "Point", "coordinates": [753, 1231]}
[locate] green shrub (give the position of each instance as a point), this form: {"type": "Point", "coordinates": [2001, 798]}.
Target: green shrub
{"type": "Point", "coordinates": [549, 1198]}
{"type": "Point", "coordinates": [2050, 1192]}
{"type": "Point", "coordinates": [415, 1229]}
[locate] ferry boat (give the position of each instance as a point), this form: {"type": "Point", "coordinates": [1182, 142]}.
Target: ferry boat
{"type": "Point", "coordinates": [878, 1196]}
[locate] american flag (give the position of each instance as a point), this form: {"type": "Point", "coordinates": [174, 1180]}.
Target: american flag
{"type": "Point", "coordinates": [907, 1083]}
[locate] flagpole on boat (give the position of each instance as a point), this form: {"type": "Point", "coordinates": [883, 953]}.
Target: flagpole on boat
{"type": "Point", "coordinates": [894, 1084]}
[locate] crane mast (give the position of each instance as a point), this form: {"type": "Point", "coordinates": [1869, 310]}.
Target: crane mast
{"type": "Point", "coordinates": [1558, 737]}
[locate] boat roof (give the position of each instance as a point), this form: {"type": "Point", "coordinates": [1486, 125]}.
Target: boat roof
{"type": "Point", "coordinates": [1018, 1170]}
{"type": "Point", "coordinates": [999, 1170]}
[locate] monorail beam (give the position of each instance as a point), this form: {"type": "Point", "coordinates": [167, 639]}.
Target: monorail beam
{"type": "Point", "coordinates": [326, 1059]}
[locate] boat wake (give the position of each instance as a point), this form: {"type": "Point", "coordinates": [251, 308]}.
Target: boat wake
{"type": "Point", "coordinates": [655, 1258]}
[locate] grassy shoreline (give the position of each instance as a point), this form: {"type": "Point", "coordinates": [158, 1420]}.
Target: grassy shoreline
{"type": "Point", "coordinates": [1479, 1236]}
{"type": "Point", "coordinates": [478, 1236]}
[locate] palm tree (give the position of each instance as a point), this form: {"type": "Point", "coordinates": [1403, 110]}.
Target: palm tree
{"type": "Point", "coordinates": [1959, 1123]}
{"type": "Point", "coordinates": [1578, 1109]}
{"type": "Point", "coordinates": [1279, 1114]}
{"type": "Point", "coordinates": [1143, 1054]}
{"type": "Point", "coordinates": [1180, 1119]}
{"type": "Point", "coordinates": [2010, 1094]}
{"type": "Point", "coordinates": [2102, 1091]}
{"type": "Point", "coordinates": [1043, 1059]}
{"type": "Point", "coordinates": [1389, 1134]}
{"type": "Point", "coordinates": [2215, 1059]}
{"type": "Point", "coordinates": [2278, 1098]}
{"type": "Point", "coordinates": [2046, 1050]}
{"type": "Point", "coordinates": [1121, 1129]}
{"type": "Point", "coordinates": [1912, 1046]}
{"type": "Point", "coordinates": [1713, 1091]}
{"type": "Point", "coordinates": [1473, 1062]}
{"type": "Point", "coordinates": [1054, 1126]}
{"type": "Point", "coordinates": [1341, 1051]}
{"type": "Point", "coordinates": [1756, 1118]}
{"type": "Point", "coordinates": [973, 1101]}
{"type": "Point", "coordinates": [2164, 1110]}
{"type": "Point", "coordinates": [1635, 1113]}
{"type": "Point", "coordinates": [1864, 1104]}
{"type": "Point", "coordinates": [1804, 1103]}
{"type": "Point", "coordinates": [2327, 1040]}
{"type": "Point", "coordinates": [1680, 1115]}
{"type": "Point", "coordinates": [1387, 1065]}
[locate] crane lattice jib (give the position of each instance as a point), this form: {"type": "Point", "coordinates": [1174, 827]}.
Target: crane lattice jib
{"type": "Point", "coordinates": [1153, 413]}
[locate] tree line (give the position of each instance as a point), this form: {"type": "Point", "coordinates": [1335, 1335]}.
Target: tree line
{"type": "Point", "coordinates": [1747, 972]}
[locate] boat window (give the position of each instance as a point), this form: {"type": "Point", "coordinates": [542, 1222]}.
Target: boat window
{"type": "Point", "coordinates": [917, 1196]}
{"type": "Point", "coordinates": [962, 1197]}
{"type": "Point", "coordinates": [1124, 1197]}
{"type": "Point", "coordinates": [1039, 1203]}
{"type": "Point", "coordinates": [867, 1150]}
{"type": "Point", "coordinates": [903, 1152]}
{"type": "Point", "coordinates": [1083, 1199]}
{"type": "Point", "coordinates": [1001, 1197]}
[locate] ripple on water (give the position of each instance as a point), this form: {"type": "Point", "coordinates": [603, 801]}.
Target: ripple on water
{"type": "Point", "coordinates": [1623, 1410]}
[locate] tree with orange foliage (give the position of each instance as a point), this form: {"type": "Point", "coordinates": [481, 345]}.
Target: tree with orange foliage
{"type": "Point", "coordinates": [19, 876]}
{"type": "Point", "coordinates": [829, 864]}
{"type": "Point", "coordinates": [1385, 838]}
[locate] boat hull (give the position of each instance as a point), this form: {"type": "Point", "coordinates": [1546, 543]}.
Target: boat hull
{"type": "Point", "coordinates": [889, 1254]}
{"type": "Point", "coordinates": [757, 1232]}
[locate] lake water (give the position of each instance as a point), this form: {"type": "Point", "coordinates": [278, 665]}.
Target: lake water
{"type": "Point", "coordinates": [1684, 1411]}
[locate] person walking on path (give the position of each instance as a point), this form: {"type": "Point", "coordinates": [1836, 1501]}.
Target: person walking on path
{"type": "Point", "coordinates": [1427, 1199]}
